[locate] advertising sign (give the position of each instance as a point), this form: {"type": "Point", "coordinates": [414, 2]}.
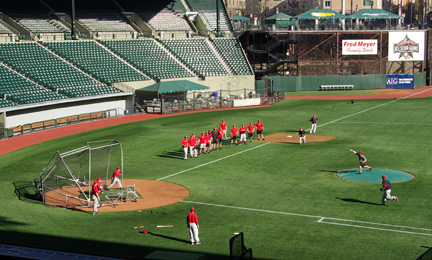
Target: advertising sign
{"type": "Point", "coordinates": [400, 81]}
{"type": "Point", "coordinates": [406, 46]}
{"type": "Point", "coordinates": [247, 102]}
{"type": "Point", "coordinates": [360, 47]}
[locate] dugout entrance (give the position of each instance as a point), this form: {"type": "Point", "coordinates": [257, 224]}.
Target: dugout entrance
{"type": "Point", "coordinates": [67, 178]}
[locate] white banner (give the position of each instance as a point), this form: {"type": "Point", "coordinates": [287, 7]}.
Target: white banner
{"type": "Point", "coordinates": [247, 102]}
{"type": "Point", "coordinates": [406, 46]}
{"type": "Point", "coordinates": [360, 47]}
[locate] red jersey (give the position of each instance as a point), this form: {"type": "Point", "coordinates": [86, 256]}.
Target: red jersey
{"type": "Point", "coordinates": [234, 131]}
{"type": "Point", "coordinates": [207, 136]}
{"type": "Point", "coordinates": [202, 139]}
{"type": "Point", "coordinates": [220, 133]}
{"type": "Point", "coordinates": [259, 126]}
{"type": "Point", "coordinates": [95, 189]}
{"type": "Point", "coordinates": [223, 126]}
{"type": "Point", "coordinates": [250, 128]}
{"type": "Point", "coordinates": [192, 141]}
{"type": "Point", "coordinates": [98, 184]}
{"type": "Point", "coordinates": [116, 173]}
{"type": "Point", "coordinates": [185, 143]}
{"type": "Point", "coordinates": [192, 218]}
{"type": "Point", "coordinates": [243, 130]}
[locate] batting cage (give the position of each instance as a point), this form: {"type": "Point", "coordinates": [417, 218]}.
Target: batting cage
{"type": "Point", "coordinates": [67, 179]}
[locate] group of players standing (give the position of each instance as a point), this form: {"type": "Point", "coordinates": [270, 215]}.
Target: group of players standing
{"type": "Point", "coordinates": [212, 140]}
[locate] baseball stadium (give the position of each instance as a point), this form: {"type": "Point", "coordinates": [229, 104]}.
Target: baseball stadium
{"type": "Point", "coordinates": [109, 89]}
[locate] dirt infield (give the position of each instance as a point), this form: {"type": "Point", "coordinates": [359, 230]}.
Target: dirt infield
{"type": "Point", "coordinates": [294, 138]}
{"type": "Point", "coordinates": [155, 194]}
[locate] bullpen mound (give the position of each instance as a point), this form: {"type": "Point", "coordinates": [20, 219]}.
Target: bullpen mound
{"type": "Point", "coordinates": [294, 138]}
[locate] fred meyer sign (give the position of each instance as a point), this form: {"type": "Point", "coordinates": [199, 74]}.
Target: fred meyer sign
{"type": "Point", "coordinates": [359, 47]}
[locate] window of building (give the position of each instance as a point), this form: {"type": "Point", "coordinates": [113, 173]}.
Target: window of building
{"type": "Point", "coordinates": [367, 2]}
{"type": "Point", "coordinates": [327, 3]}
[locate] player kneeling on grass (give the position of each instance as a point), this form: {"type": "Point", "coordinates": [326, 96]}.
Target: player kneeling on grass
{"type": "Point", "coordinates": [387, 190]}
{"type": "Point", "coordinates": [362, 160]}
{"type": "Point", "coordinates": [95, 197]}
{"type": "Point", "coordinates": [302, 135]}
{"type": "Point", "coordinates": [115, 179]}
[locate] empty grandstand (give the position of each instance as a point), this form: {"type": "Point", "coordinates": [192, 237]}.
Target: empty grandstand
{"type": "Point", "coordinates": [99, 21]}
{"type": "Point", "coordinates": [197, 54]}
{"type": "Point", "coordinates": [232, 52]}
{"type": "Point", "coordinates": [150, 57]}
{"type": "Point", "coordinates": [39, 22]}
{"type": "Point", "coordinates": [207, 10]}
{"type": "Point", "coordinates": [96, 60]}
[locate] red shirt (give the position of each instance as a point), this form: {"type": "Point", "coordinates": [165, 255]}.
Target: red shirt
{"type": "Point", "coordinates": [223, 126]}
{"type": "Point", "coordinates": [220, 133]}
{"type": "Point", "coordinates": [250, 128]}
{"type": "Point", "coordinates": [192, 218]}
{"type": "Point", "coordinates": [259, 126]}
{"type": "Point", "coordinates": [98, 184]}
{"type": "Point", "coordinates": [95, 189]}
{"type": "Point", "coordinates": [243, 130]}
{"type": "Point", "coordinates": [192, 141]}
{"type": "Point", "coordinates": [207, 136]}
{"type": "Point", "coordinates": [202, 139]}
{"type": "Point", "coordinates": [116, 173]}
{"type": "Point", "coordinates": [185, 143]}
{"type": "Point", "coordinates": [234, 131]}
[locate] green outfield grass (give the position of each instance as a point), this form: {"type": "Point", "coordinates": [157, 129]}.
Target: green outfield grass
{"type": "Point", "coordinates": [282, 196]}
{"type": "Point", "coordinates": [328, 93]}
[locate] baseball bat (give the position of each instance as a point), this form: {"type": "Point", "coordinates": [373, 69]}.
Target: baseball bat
{"type": "Point", "coordinates": [163, 226]}
{"type": "Point", "coordinates": [141, 210]}
{"type": "Point", "coordinates": [138, 227]}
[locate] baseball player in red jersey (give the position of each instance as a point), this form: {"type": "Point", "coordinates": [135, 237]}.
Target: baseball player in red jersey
{"type": "Point", "coordinates": [202, 140]}
{"type": "Point", "coordinates": [220, 133]}
{"type": "Point", "coordinates": [210, 140]}
{"type": "Point", "coordinates": [260, 128]}
{"type": "Point", "coordinates": [115, 179]}
{"type": "Point", "coordinates": [362, 160]}
{"type": "Point", "coordinates": [250, 129]}
{"type": "Point", "coordinates": [223, 125]}
{"type": "Point", "coordinates": [234, 132]}
{"type": "Point", "coordinates": [207, 140]}
{"type": "Point", "coordinates": [98, 184]}
{"type": "Point", "coordinates": [192, 222]}
{"type": "Point", "coordinates": [243, 134]}
{"type": "Point", "coordinates": [95, 197]}
{"type": "Point", "coordinates": [192, 144]}
{"type": "Point", "coordinates": [185, 144]}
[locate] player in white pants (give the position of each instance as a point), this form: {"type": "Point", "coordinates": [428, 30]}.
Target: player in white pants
{"type": "Point", "coordinates": [387, 190]}
{"type": "Point", "coordinates": [185, 144]}
{"type": "Point", "coordinates": [302, 135]}
{"type": "Point", "coordinates": [115, 179]}
{"type": "Point", "coordinates": [192, 144]}
{"type": "Point", "coordinates": [313, 122]}
{"type": "Point", "coordinates": [243, 134]}
{"type": "Point", "coordinates": [95, 197]}
{"type": "Point", "coordinates": [192, 221]}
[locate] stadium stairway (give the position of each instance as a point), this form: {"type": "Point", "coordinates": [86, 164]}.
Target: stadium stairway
{"type": "Point", "coordinates": [219, 56]}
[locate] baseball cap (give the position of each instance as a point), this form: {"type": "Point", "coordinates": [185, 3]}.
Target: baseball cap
{"type": "Point", "coordinates": [360, 152]}
{"type": "Point", "coordinates": [384, 177]}
{"type": "Point", "coordinates": [185, 136]}
{"type": "Point", "coordinates": [192, 209]}
{"type": "Point", "coordinates": [314, 115]}
{"type": "Point", "coordinates": [118, 167]}
{"type": "Point", "coordinates": [214, 128]}
{"type": "Point", "coordinates": [99, 178]}
{"type": "Point", "coordinates": [301, 127]}
{"type": "Point", "coordinates": [94, 182]}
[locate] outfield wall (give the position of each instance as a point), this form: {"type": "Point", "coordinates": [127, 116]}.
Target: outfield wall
{"type": "Point", "coordinates": [313, 83]}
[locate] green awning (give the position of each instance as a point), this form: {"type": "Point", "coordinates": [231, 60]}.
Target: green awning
{"type": "Point", "coordinates": [314, 14]}
{"type": "Point", "coordinates": [374, 14]}
{"type": "Point", "coordinates": [172, 86]}
{"type": "Point", "coordinates": [239, 18]}
{"type": "Point", "coordinates": [280, 19]}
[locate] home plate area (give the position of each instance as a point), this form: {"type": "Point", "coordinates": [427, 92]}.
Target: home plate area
{"type": "Point", "coordinates": [294, 138]}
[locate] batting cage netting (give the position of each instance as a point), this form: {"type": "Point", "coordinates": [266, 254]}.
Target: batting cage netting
{"type": "Point", "coordinates": [67, 179]}
{"type": "Point", "coordinates": [238, 249]}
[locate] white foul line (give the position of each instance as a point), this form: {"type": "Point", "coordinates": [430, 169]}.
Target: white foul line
{"type": "Point", "coordinates": [386, 123]}
{"type": "Point", "coordinates": [322, 218]}
{"type": "Point", "coordinates": [212, 161]}
{"type": "Point", "coordinates": [373, 108]}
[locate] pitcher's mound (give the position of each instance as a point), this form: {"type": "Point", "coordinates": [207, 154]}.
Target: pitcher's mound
{"type": "Point", "coordinates": [294, 138]}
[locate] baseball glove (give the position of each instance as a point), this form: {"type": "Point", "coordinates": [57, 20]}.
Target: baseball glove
{"type": "Point", "coordinates": [105, 187]}
{"type": "Point", "coordinates": [381, 189]}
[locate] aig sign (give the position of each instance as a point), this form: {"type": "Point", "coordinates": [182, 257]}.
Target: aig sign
{"type": "Point", "coordinates": [400, 81]}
